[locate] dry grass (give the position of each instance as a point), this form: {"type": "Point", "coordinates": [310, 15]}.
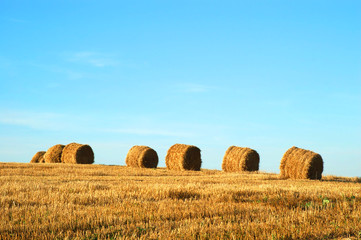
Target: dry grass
{"type": "Point", "coordinates": [53, 201]}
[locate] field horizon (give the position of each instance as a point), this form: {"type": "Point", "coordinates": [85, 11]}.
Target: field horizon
{"type": "Point", "coordinates": [71, 201]}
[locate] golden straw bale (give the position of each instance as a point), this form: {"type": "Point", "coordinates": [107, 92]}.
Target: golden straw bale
{"type": "Point", "coordinates": [183, 157]}
{"type": "Point", "coordinates": [299, 163]}
{"type": "Point", "coordinates": [53, 155]}
{"type": "Point", "coordinates": [142, 157]}
{"type": "Point", "coordinates": [240, 159]}
{"type": "Point", "coordinates": [38, 157]}
{"type": "Point", "coordinates": [78, 153]}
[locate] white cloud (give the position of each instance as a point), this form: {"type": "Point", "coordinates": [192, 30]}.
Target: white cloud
{"type": "Point", "coordinates": [93, 58]}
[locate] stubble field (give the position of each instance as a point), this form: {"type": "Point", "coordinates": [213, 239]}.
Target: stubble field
{"type": "Point", "coordinates": [60, 201]}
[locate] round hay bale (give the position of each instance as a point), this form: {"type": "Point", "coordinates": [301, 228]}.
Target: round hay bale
{"type": "Point", "coordinates": [38, 157]}
{"type": "Point", "coordinates": [142, 157]}
{"type": "Point", "coordinates": [78, 153]}
{"type": "Point", "coordinates": [53, 155]}
{"type": "Point", "coordinates": [183, 157]}
{"type": "Point", "coordinates": [240, 159]}
{"type": "Point", "coordinates": [298, 163]}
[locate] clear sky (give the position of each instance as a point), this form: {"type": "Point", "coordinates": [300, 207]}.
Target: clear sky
{"type": "Point", "coordinates": [267, 75]}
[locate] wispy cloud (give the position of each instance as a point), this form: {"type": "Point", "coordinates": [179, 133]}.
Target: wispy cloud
{"type": "Point", "coordinates": [49, 121]}
{"type": "Point", "coordinates": [350, 97]}
{"type": "Point", "coordinates": [148, 132]}
{"type": "Point", "coordinates": [194, 88]}
{"type": "Point", "coordinates": [5, 63]}
{"type": "Point", "coordinates": [93, 58]}
{"type": "Point", "coordinates": [69, 73]}
{"type": "Point", "coordinates": [33, 120]}
{"type": "Point", "coordinates": [279, 103]}
{"type": "Point", "coordinates": [17, 20]}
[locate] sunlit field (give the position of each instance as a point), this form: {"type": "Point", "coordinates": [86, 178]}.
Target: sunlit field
{"type": "Point", "coordinates": [60, 201]}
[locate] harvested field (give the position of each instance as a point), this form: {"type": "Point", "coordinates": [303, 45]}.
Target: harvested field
{"type": "Point", "coordinates": [58, 201]}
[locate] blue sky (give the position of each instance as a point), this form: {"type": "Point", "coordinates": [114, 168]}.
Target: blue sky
{"type": "Point", "coordinates": [262, 74]}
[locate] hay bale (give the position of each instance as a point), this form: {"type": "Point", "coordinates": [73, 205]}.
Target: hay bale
{"type": "Point", "coordinates": [183, 157]}
{"type": "Point", "coordinates": [142, 157]}
{"type": "Point", "coordinates": [240, 159]}
{"type": "Point", "coordinates": [299, 163]}
{"type": "Point", "coordinates": [53, 155]}
{"type": "Point", "coordinates": [38, 157]}
{"type": "Point", "coordinates": [78, 153]}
